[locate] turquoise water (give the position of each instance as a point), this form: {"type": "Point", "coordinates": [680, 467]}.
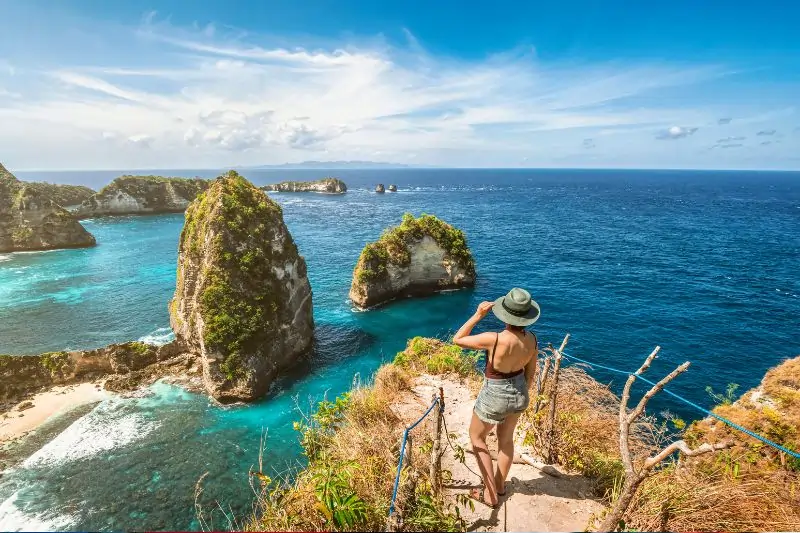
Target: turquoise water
{"type": "Point", "coordinates": [704, 264]}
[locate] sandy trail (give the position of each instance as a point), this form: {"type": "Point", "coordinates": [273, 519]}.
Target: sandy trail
{"type": "Point", "coordinates": [538, 498]}
{"type": "Point", "coordinates": [16, 423]}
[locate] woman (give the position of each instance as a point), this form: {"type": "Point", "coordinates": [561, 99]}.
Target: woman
{"type": "Point", "coordinates": [510, 368]}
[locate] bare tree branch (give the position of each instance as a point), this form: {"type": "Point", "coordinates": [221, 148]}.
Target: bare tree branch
{"type": "Point", "coordinates": [685, 450]}
{"type": "Point", "coordinates": [648, 361]}
{"type": "Point", "coordinates": [636, 413]}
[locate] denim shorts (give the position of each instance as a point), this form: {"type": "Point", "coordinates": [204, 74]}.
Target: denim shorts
{"type": "Point", "coordinates": [501, 397]}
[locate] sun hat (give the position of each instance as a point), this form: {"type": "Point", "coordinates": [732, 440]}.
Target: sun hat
{"type": "Point", "coordinates": [516, 308]}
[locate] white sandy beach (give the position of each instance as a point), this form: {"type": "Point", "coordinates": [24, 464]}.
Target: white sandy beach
{"type": "Point", "coordinates": [45, 405]}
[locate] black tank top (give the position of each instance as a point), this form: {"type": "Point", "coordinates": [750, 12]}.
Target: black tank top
{"type": "Point", "coordinates": [490, 371]}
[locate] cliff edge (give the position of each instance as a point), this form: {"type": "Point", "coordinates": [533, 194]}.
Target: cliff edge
{"type": "Point", "coordinates": [325, 186]}
{"type": "Point", "coordinates": [420, 256]}
{"type": "Point", "coordinates": [30, 220]}
{"type": "Point", "coordinates": [142, 195]}
{"type": "Point", "coordinates": [242, 300]}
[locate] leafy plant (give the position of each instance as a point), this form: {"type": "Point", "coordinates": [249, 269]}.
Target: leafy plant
{"type": "Point", "coordinates": [336, 499]}
{"type": "Point", "coordinates": [724, 399]}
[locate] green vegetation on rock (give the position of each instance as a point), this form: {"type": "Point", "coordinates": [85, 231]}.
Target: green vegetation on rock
{"type": "Point", "coordinates": [54, 362]}
{"type": "Point", "coordinates": [235, 300]}
{"type": "Point", "coordinates": [393, 246]}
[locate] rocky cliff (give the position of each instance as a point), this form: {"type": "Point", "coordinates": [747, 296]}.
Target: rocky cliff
{"type": "Point", "coordinates": [30, 220]}
{"type": "Point", "coordinates": [242, 300]}
{"type": "Point", "coordinates": [325, 185]}
{"type": "Point", "coordinates": [420, 256]}
{"type": "Point", "coordinates": [142, 195]}
{"type": "Point", "coordinates": [63, 195]}
{"type": "Point", "coordinates": [124, 365]}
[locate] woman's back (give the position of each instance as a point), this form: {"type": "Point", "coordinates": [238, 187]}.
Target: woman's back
{"type": "Point", "coordinates": [513, 351]}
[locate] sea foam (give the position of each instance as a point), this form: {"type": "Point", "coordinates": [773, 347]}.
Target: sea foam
{"type": "Point", "coordinates": [159, 337]}
{"type": "Point", "coordinates": [107, 426]}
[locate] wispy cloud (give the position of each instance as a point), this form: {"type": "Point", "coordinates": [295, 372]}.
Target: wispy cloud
{"type": "Point", "coordinates": [764, 133]}
{"type": "Point", "coordinates": [205, 96]}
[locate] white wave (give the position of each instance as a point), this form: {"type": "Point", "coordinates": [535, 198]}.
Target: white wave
{"type": "Point", "coordinates": [5, 257]}
{"type": "Point", "coordinates": [159, 337]}
{"type": "Point", "coordinates": [103, 429]}
{"type": "Point", "coordinates": [12, 518]}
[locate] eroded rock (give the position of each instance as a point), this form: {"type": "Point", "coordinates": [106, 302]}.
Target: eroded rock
{"type": "Point", "coordinates": [242, 300]}
{"type": "Point", "coordinates": [30, 220]}
{"type": "Point", "coordinates": [420, 256]}
{"type": "Point", "coordinates": [142, 195]}
{"type": "Point", "coordinates": [325, 186]}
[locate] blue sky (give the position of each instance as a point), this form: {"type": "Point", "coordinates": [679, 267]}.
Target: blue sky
{"type": "Point", "coordinates": [91, 84]}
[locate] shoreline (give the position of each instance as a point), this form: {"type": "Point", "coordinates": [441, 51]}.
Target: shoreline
{"type": "Point", "coordinates": [16, 423]}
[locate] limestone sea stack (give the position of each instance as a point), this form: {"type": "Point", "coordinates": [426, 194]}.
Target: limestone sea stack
{"type": "Point", "coordinates": [393, 188]}
{"type": "Point", "coordinates": [142, 195]}
{"type": "Point", "coordinates": [30, 220]}
{"type": "Point", "coordinates": [325, 186]}
{"type": "Point", "coordinates": [380, 188]}
{"type": "Point", "coordinates": [242, 301]}
{"type": "Point", "coordinates": [420, 256]}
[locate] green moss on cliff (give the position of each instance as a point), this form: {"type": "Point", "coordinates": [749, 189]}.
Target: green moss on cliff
{"type": "Point", "coordinates": [54, 362]}
{"type": "Point", "coordinates": [236, 304]}
{"type": "Point", "coordinates": [393, 246]}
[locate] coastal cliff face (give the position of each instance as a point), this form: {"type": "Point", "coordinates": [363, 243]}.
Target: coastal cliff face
{"type": "Point", "coordinates": [30, 220]}
{"type": "Point", "coordinates": [141, 195]}
{"type": "Point", "coordinates": [63, 195]}
{"type": "Point", "coordinates": [129, 363]}
{"type": "Point", "coordinates": [421, 256]}
{"type": "Point", "coordinates": [325, 185]}
{"type": "Point", "coordinates": [243, 300]}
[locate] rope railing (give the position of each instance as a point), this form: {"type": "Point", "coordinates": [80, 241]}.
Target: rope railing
{"type": "Point", "coordinates": [403, 450]}
{"type": "Point", "coordinates": [722, 419]}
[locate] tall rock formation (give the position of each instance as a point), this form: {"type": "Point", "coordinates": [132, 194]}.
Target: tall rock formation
{"type": "Point", "coordinates": [30, 220]}
{"type": "Point", "coordinates": [142, 195]}
{"type": "Point", "coordinates": [242, 300]}
{"type": "Point", "coordinates": [420, 256]}
{"type": "Point", "coordinates": [325, 186]}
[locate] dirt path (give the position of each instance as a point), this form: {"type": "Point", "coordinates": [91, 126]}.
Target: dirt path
{"type": "Point", "coordinates": [538, 498]}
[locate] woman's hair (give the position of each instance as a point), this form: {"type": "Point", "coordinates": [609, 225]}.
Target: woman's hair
{"type": "Point", "coordinates": [515, 328]}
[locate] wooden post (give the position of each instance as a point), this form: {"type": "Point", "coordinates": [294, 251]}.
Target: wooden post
{"type": "Point", "coordinates": [551, 428]}
{"type": "Point", "coordinates": [541, 383]}
{"type": "Point", "coordinates": [436, 451]}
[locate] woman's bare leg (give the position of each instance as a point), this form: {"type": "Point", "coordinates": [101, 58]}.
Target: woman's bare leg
{"type": "Point", "coordinates": [505, 451]}
{"type": "Point", "coordinates": [478, 431]}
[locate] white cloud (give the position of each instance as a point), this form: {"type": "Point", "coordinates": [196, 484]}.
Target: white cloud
{"type": "Point", "coordinates": [676, 132]}
{"type": "Point", "coordinates": [200, 97]}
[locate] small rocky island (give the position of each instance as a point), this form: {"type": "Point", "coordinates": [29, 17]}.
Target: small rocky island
{"type": "Point", "coordinates": [142, 195]}
{"type": "Point", "coordinates": [392, 188]}
{"type": "Point", "coordinates": [325, 186]}
{"type": "Point", "coordinates": [242, 301]}
{"type": "Point", "coordinates": [31, 220]}
{"type": "Point", "coordinates": [420, 256]}
{"type": "Point", "coordinates": [380, 188]}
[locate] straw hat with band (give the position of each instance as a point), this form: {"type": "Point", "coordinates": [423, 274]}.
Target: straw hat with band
{"type": "Point", "coordinates": [516, 308]}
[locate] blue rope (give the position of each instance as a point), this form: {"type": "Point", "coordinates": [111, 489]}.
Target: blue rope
{"type": "Point", "coordinates": [402, 453]}
{"type": "Point", "coordinates": [692, 404]}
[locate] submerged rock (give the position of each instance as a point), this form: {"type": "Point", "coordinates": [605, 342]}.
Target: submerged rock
{"type": "Point", "coordinates": [242, 300]}
{"type": "Point", "coordinates": [380, 188]}
{"type": "Point", "coordinates": [142, 195]}
{"type": "Point", "coordinates": [392, 188]}
{"type": "Point", "coordinates": [325, 185]}
{"type": "Point", "coordinates": [30, 220]}
{"type": "Point", "coordinates": [420, 256]}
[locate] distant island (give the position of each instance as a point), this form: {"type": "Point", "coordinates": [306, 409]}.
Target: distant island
{"type": "Point", "coordinates": [316, 165]}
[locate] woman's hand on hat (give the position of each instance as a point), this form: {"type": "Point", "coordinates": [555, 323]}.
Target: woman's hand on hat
{"type": "Point", "coordinates": [484, 308]}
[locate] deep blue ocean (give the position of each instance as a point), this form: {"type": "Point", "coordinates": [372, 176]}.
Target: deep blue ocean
{"type": "Point", "coordinates": [704, 264]}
